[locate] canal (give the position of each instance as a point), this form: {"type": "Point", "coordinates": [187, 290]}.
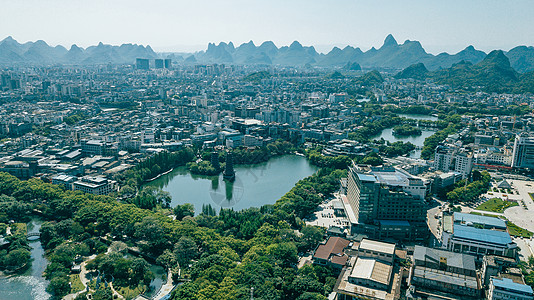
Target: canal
{"type": "Point", "coordinates": [255, 185]}
{"type": "Point", "coordinates": [31, 284]}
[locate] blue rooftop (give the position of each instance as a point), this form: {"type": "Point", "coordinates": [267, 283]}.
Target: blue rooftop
{"type": "Point", "coordinates": [476, 219]}
{"type": "Point", "coordinates": [365, 177]}
{"type": "Point", "coordinates": [506, 283]}
{"type": "Point", "coordinates": [484, 235]}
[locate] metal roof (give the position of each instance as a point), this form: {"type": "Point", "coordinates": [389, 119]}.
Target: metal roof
{"type": "Point", "coordinates": [508, 284]}
{"type": "Point", "coordinates": [476, 219]}
{"type": "Point", "coordinates": [365, 177]}
{"type": "Point", "coordinates": [483, 235]}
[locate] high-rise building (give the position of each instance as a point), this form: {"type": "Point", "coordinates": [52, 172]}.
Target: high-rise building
{"type": "Point", "coordinates": [159, 63]}
{"type": "Point", "coordinates": [523, 156]}
{"type": "Point", "coordinates": [385, 202]}
{"type": "Point", "coordinates": [448, 158]}
{"type": "Point", "coordinates": [167, 63]}
{"type": "Point", "coordinates": [142, 64]}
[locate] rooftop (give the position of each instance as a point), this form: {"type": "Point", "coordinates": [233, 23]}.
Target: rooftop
{"type": "Point", "coordinates": [457, 260]}
{"type": "Point", "coordinates": [371, 269]}
{"type": "Point", "coordinates": [378, 246]}
{"type": "Point", "coordinates": [508, 284]}
{"type": "Point", "coordinates": [476, 219]}
{"type": "Point", "coordinates": [334, 245]}
{"type": "Point", "coordinates": [446, 277]}
{"type": "Point", "coordinates": [485, 235]}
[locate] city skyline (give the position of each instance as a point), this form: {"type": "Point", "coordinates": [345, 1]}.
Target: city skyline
{"type": "Point", "coordinates": [189, 27]}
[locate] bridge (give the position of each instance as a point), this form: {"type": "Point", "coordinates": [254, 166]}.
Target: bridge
{"type": "Point", "coordinates": [35, 234]}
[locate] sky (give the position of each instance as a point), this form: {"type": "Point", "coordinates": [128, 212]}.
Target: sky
{"type": "Point", "coordinates": [176, 25]}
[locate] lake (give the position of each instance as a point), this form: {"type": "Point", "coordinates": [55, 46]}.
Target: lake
{"type": "Point", "coordinates": [418, 117]}
{"type": "Point", "coordinates": [418, 141]}
{"type": "Point", "coordinates": [255, 185]}
{"type": "Point", "coordinates": [31, 284]}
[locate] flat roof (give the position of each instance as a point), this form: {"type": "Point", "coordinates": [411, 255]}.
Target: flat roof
{"type": "Point", "coordinates": [484, 235]}
{"type": "Point", "coordinates": [446, 277]}
{"type": "Point", "coordinates": [366, 177]}
{"type": "Point", "coordinates": [506, 283]}
{"type": "Point", "coordinates": [377, 246]}
{"type": "Point", "coordinates": [476, 219]}
{"type": "Point", "coordinates": [371, 269]}
{"type": "Point", "coordinates": [457, 260]}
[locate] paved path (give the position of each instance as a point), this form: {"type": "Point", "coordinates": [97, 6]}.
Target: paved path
{"type": "Point", "coordinates": [83, 278]}
{"type": "Point", "coordinates": [166, 288]}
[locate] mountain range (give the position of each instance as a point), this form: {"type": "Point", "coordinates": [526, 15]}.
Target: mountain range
{"type": "Point", "coordinates": [390, 56]}
{"type": "Point", "coordinates": [40, 53]}
{"type": "Point", "coordinates": [493, 74]}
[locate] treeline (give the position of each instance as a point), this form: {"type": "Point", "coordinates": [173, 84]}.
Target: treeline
{"type": "Point", "coordinates": [472, 190]}
{"type": "Point", "coordinates": [406, 130]}
{"type": "Point", "coordinates": [223, 255]}
{"type": "Point", "coordinates": [17, 255]}
{"type": "Point", "coordinates": [340, 161]}
{"type": "Point", "coordinates": [394, 149]}
{"type": "Point", "coordinates": [241, 156]}
{"type": "Point", "coordinates": [151, 167]}
{"type": "Point", "coordinates": [431, 142]}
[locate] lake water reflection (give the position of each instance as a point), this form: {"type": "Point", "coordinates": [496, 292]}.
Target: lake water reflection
{"type": "Point", "coordinates": [255, 185]}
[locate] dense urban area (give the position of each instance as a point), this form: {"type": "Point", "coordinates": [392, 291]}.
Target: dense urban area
{"type": "Point", "coordinates": [423, 184]}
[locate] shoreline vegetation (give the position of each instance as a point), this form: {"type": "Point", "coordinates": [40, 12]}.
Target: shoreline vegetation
{"type": "Point", "coordinates": [241, 156]}
{"type": "Point", "coordinates": [230, 243]}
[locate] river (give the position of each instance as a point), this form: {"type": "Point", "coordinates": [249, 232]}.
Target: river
{"type": "Point", "coordinates": [255, 185]}
{"type": "Point", "coordinates": [418, 141]}
{"type": "Point", "coordinates": [31, 284]}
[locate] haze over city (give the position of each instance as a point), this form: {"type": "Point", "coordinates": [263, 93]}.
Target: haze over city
{"type": "Point", "coordinates": [189, 26]}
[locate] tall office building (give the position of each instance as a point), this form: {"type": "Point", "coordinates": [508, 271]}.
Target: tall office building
{"type": "Point", "coordinates": [523, 156]}
{"type": "Point", "coordinates": [142, 64]}
{"type": "Point", "coordinates": [158, 63]}
{"type": "Point", "coordinates": [167, 63]}
{"type": "Point", "coordinates": [386, 202]}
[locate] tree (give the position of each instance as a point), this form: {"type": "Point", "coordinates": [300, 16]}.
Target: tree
{"type": "Point", "coordinates": [59, 286]}
{"type": "Point", "coordinates": [183, 210]}
{"type": "Point", "coordinates": [311, 236]}
{"type": "Point", "coordinates": [185, 250]}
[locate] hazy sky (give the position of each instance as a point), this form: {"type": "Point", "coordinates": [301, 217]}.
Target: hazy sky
{"type": "Point", "coordinates": [189, 25]}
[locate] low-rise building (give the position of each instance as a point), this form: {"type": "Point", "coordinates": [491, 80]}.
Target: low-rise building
{"type": "Point", "coordinates": [443, 273]}
{"type": "Point", "coordinates": [94, 185]}
{"type": "Point", "coordinates": [506, 289]}
{"type": "Point", "coordinates": [332, 253]}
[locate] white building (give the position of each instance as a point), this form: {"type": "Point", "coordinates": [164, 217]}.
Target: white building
{"type": "Point", "coordinates": [523, 156]}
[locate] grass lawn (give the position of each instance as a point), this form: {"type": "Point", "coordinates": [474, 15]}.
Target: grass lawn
{"type": "Point", "coordinates": [75, 283]}
{"type": "Point", "coordinates": [496, 205]}
{"type": "Point", "coordinates": [19, 228]}
{"type": "Point", "coordinates": [488, 215]}
{"type": "Point", "coordinates": [130, 293]}
{"type": "Point", "coordinates": [518, 231]}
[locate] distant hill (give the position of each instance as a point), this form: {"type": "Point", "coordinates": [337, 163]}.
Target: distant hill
{"type": "Point", "coordinates": [391, 56]}
{"type": "Point", "coordinates": [416, 71]}
{"type": "Point", "coordinates": [40, 53]}
{"type": "Point", "coordinates": [493, 74]}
